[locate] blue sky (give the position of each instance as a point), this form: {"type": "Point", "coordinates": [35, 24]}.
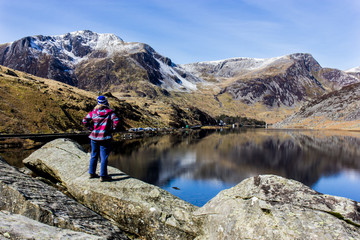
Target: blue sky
{"type": "Point", "coordinates": [201, 30]}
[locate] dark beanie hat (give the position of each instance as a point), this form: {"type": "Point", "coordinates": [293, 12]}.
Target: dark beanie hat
{"type": "Point", "coordinates": [102, 100]}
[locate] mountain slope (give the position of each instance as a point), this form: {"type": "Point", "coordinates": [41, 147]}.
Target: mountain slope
{"type": "Point", "coordinates": [336, 110]}
{"type": "Point", "coordinates": [35, 105]}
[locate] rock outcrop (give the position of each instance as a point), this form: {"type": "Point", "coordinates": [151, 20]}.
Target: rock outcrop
{"type": "Point", "coordinates": [272, 207]}
{"type": "Point", "coordinates": [261, 207]}
{"type": "Point", "coordinates": [336, 110]}
{"type": "Point", "coordinates": [138, 207]}
{"type": "Point", "coordinates": [16, 226]}
{"type": "Point", "coordinates": [22, 194]}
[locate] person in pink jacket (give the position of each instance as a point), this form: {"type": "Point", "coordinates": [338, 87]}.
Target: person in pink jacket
{"type": "Point", "coordinates": [102, 121]}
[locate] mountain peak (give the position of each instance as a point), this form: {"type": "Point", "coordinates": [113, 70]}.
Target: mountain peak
{"type": "Point", "coordinates": [101, 39]}
{"type": "Point", "coordinates": [74, 47]}
{"type": "Point", "coordinates": [89, 33]}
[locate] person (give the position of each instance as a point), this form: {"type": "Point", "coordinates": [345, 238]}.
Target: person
{"type": "Point", "coordinates": [102, 121]}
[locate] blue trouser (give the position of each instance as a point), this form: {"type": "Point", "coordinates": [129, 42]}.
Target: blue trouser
{"type": "Point", "coordinates": [103, 149]}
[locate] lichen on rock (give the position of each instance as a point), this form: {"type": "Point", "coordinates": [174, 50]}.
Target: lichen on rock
{"type": "Point", "coordinates": [272, 207]}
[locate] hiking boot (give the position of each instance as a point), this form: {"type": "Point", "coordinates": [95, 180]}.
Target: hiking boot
{"type": "Point", "coordinates": [93, 175]}
{"type": "Point", "coordinates": [105, 178]}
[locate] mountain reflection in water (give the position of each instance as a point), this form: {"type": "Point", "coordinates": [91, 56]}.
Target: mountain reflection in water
{"type": "Point", "coordinates": [197, 165]}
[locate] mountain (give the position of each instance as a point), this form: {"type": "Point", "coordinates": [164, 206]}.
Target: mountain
{"type": "Point", "coordinates": [32, 104]}
{"type": "Point", "coordinates": [336, 110]}
{"type": "Point", "coordinates": [278, 81]}
{"type": "Point", "coordinates": [92, 61]}
{"type": "Point", "coordinates": [264, 89]}
{"type": "Point", "coordinates": [354, 71]}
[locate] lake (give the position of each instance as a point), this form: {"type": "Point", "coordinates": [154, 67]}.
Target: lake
{"type": "Point", "coordinates": [197, 165]}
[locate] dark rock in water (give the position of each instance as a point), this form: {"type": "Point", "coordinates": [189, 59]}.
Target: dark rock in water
{"type": "Point", "coordinates": [139, 208]}
{"type": "Point", "coordinates": [22, 194]}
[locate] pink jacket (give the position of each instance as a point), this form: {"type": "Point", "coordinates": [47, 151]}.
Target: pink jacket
{"type": "Point", "coordinates": [104, 123]}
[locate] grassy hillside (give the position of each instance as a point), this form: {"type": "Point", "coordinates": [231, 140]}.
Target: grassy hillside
{"type": "Point", "coordinates": [32, 104]}
{"type": "Point", "coordinates": [35, 105]}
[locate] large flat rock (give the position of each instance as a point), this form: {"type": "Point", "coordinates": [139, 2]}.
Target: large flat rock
{"type": "Point", "coordinates": [22, 194]}
{"type": "Point", "coordinates": [272, 207]}
{"type": "Point", "coordinates": [140, 208]}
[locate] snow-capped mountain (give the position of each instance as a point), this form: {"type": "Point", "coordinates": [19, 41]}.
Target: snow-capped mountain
{"type": "Point", "coordinates": [241, 66]}
{"type": "Point", "coordinates": [59, 57]}
{"type": "Point", "coordinates": [230, 67]}
{"type": "Point", "coordinates": [285, 80]}
{"type": "Point", "coordinates": [353, 70]}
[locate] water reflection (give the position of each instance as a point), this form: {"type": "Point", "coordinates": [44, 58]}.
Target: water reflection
{"type": "Point", "coordinates": [203, 163]}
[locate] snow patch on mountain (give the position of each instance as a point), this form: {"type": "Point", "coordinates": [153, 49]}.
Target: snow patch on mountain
{"type": "Point", "coordinates": [243, 62]}
{"type": "Point", "coordinates": [230, 67]}
{"type": "Point", "coordinates": [353, 70]}
{"type": "Point", "coordinates": [170, 74]}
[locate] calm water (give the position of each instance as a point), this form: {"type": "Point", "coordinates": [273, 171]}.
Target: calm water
{"type": "Point", "coordinates": [196, 167]}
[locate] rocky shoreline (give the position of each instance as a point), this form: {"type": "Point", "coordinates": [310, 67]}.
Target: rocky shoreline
{"type": "Point", "coordinates": [262, 207]}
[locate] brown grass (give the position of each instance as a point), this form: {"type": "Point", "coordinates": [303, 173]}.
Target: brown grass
{"type": "Point", "coordinates": [35, 105]}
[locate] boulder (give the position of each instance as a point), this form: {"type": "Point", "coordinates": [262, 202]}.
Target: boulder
{"type": "Point", "coordinates": [15, 226]}
{"type": "Point", "coordinates": [272, 207]}
{"type": "Point", "coordinates": [25, 195]}
{"type": "Point", "coordinates": [139, 208]}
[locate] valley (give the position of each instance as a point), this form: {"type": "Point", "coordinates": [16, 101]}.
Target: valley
{"type": "Point", "coordinates": [62, 75]}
